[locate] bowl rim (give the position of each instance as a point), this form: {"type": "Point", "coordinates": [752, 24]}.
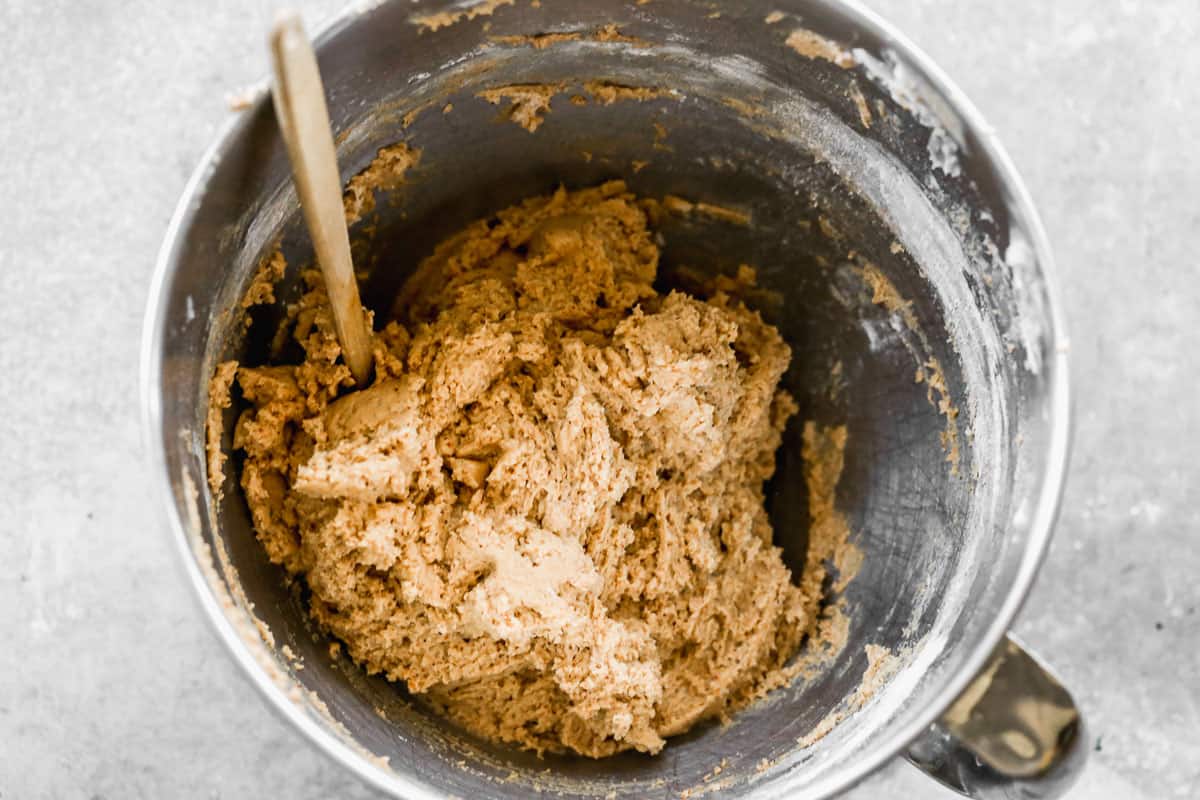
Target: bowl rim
{"type": "Point", "coordinates": [1042, 520]}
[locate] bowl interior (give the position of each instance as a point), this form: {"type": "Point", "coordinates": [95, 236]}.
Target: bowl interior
{"type": "Point", "coordinates": [875, 248]}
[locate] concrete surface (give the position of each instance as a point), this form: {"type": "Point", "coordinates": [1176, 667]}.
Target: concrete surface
{"type": "Point", "coordinates": [111, 684]}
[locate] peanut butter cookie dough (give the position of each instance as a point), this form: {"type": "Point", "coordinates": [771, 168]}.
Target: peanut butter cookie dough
{"type": "Point", "coordinates": [545, 516]}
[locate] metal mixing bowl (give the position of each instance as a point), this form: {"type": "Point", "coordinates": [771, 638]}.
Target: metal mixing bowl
{"type": "Point", "coordinates": [846, 147]}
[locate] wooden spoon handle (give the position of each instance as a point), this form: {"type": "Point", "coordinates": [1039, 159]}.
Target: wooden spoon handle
{"type": "Point", "coordinates": [304, 122]}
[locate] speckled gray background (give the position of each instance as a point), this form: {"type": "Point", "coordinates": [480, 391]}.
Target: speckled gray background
{"type": "Point", "coordinates": [112, 685]}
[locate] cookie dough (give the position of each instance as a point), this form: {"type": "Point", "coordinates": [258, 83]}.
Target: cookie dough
{"type": "Point", "coordinates": [545, 516]}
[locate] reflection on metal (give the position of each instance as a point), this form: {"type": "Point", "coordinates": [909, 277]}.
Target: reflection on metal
{"type": "Point", "coordinates": [1013, 733]}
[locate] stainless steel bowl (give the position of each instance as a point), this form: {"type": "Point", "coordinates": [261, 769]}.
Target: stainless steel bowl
{"type": "Point", "coordinates": [842, 137]}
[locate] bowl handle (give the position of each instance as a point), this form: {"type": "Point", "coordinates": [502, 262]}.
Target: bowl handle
{"type": "Point", "coordinates": [1013, 733]}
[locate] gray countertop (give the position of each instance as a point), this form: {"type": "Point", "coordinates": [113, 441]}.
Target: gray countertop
{"type": "Point", "coordinates": [111, 683]}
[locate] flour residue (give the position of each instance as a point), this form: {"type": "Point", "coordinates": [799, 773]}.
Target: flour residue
{"type": "Point", "coordinates": [529, 103]}
{"type": "Point", "coordinates": [245, 97]}
{"type": "Point", "coordinates": [540, 41]}
{"type": "Point", "coordinates": [746, 109]}
{"type": "Point", "coordinates": [606, 92]}
{"type": "Point", "coordinates": [929, 370]}
{"type": "Point", "coordinates": [660, 138]}
{"type": "Point", "coordinates": [934, 377]}
{"type": "Point", "coordinates": [860, 103]}
{"type": "Point", "coordinates": [813, 45]}
{"type": "Point", "coordinates": [444, 19]}
{"type": "Point", "coordinates": [678, 206]}
{"type": "Point", "coordinates": [219, 387]}
{"type": "Point", "coordinates": [882, 665]}
{"type": "Point", "coordinates": [908, 89]}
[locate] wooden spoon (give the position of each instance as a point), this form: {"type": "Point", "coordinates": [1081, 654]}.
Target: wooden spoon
{"type": "Point", "coordinates": [304, 122]}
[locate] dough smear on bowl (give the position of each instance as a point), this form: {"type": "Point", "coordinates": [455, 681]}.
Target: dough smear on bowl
{"type": "Point", "coordinates": [545, 515]}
